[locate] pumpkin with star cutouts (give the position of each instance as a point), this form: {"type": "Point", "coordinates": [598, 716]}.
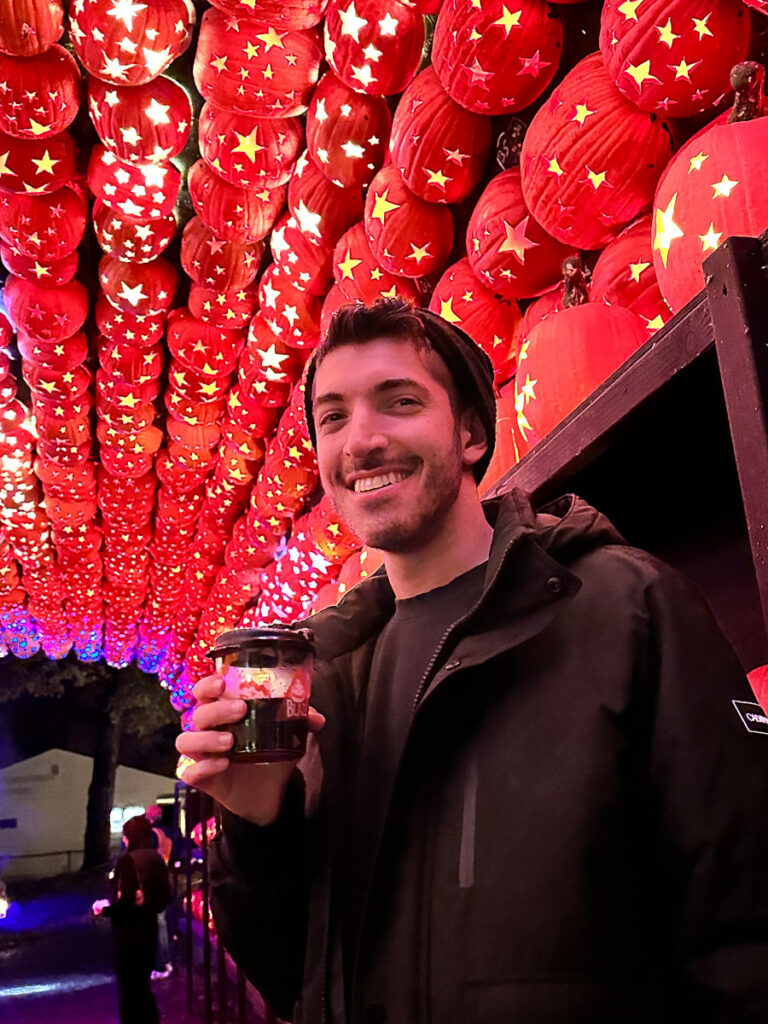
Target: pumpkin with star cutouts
{"type": "Point", "coordinates": [291, 14]}
{"type": "Point", "coordinates": [138, 288]}
{"type": "Point", "coordinates": [258, 70]}
{"type": "Point", "coordinates": [37, 165]}
{"type": "Point", "coordinates": [714, 187]}
{"type": "Point", "coordinates": [571, 353]}
{"type": "Point", "coordinates": [373, 46]}
{"type": "Point", "coordinates": [30, 27]}
{"type": "Point", "coordinates": [215, 262]}
{"type": "Point", "coordinates": [590, 159]}
{"type": "Point", "coordinates": [496, 57]}
{"type": "Point", "coordinates": [129, 43]}
{"type": "Point", "coordinates": [142, 123]}
{"type": "Point", "coordinates": [222, 309]}
{"type": "Point", "coordinates": [408, 236]}
{"type": "Point", "coordinates": [673, 56]}
{"type": "Point", "coordinates": [322, 210]}
{"type": "Point", "coordinates": [347, 132]}
{"type": "Point", "coordinates": [248, 151]}
{"type": "Point", "coordinates": [237, 214]}
{"type": "Point", "coordinates": [438, 147]}
{"type": "Point", "coordinates": [508, 250]}
{"type": "Point", "coordinates": [143, 191]}
{"type": "Point", "coordinates": [46, 227]}
{"type": "Point", "coordinates": [39, 96]}
{"type": "Point", "coordinates": [624, 275]}
{"type": "Point", "coordinates": [130, 239]}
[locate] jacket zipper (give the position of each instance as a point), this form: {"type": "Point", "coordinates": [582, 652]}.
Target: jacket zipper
{"type": "Point", "coordinates": [425, 678]}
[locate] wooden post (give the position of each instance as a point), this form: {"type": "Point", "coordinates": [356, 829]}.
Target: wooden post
{"type": "Point", "coordinates": [189, 940]}
{"type": "Point", "coordinates": [737, 291]}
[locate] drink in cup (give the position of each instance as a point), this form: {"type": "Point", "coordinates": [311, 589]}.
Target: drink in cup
{"type": "Point", "coordinates": [270, 668]}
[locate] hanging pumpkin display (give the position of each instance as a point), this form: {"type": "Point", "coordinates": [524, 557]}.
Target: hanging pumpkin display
{"type": "Point", "coordinates": [129, 239]}
{"type": "Point", "coordinates": [507, 249]}
{"type": "Point", "coordinates": [127, 43]}
{"type": "Point", "coordinates": [673, 56]}
{"type": "Point", "coordinates": [272, 75]}
{"type": "Point", "coordinates": [624, 276]}
{"type": "Point", "coordinates": [248, 151]}
{"type": "Point", "coordinates": [41, 94]}
{"type": "Point", "coordinates": [45, 227]}
{"type": "Point", "coordinates": [147, 123]}
{"type": "Point", "coordinates": [322, 210]}
{"type": "Point", "coordinates": [215, 262]}
{"type": "Point", "coordinates": [138, 288]}
{"type": "Point", "coordinates": [461, 299]}
{"type": "Point", "coordinates": [347, 132]}
{"type": "Point", "coordinates": [39, 165]}
{"type": "Point", "coordinates": [714, 187]}
{"type": "Point", "coordinates": [570, 354]}
{"type": "Point", "coordinates": [373, 46]}
{"type": "Point", "coordinates": [54, 355]}
{"type": "Point", "coordinates": [492, 60]}
{"type": "Point", "coordinates": [590, 159]}
{"type": "Point", "coordinates": [143, 191]}
{"type": "Point", "coordinates": [408, 236]}
{"type": "Point", "coordinates": [30, 27]}
{"type": "Point", "coordinates": [438, 147]}
{"type": "Point", "coordinates": [236, 214]}
{"type": "Point", "coordinates": [118, 325]}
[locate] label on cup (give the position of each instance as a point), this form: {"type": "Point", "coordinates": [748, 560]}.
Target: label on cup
{"type": "Point", "coordinates": [254, 683]}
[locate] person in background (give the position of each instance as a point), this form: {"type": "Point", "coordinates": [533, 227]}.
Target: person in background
{"type": "Point", "coordinates": [528, 797]}
{"type": "Point", "coordinates": [163, 844]}
{"type": "Point", "coordinates": [140, 889]}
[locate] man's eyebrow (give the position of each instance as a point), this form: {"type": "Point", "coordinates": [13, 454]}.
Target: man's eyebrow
{"type": "Point", "coordinates": [391, 384]}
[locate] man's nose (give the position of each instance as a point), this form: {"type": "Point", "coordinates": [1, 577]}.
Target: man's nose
{"type": "Point", "coordinates": [364, 434]}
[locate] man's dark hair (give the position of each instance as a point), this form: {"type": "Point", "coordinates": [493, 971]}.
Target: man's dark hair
{"type": "Point", "coordinates": [470, 368]}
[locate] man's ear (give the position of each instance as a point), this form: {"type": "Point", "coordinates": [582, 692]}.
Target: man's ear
{"type": "Point", "coordinates": [474, 443]}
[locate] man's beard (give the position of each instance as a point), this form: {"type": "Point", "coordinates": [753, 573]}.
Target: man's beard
{"type": "Point", "coordinates": [416, 526]}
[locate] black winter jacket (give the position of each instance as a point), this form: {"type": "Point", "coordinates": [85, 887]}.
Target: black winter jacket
{"type": "Point", "coordinates": [577, 833]}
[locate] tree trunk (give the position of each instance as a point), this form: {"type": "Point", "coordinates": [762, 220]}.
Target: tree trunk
{"type": "Point", "coordinates": [101, 793]}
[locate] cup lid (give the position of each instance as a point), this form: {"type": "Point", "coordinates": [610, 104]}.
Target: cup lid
{"type": "Point", "coordinates": [243, 639]}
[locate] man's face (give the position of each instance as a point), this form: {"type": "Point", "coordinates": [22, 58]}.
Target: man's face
{"type": "Point", "coordinates": [389, 447]}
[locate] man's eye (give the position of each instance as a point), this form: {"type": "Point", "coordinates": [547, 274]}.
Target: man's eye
{"type": "Point", "coordinates": [405, 400]}
{"type": "Point", "coordinates": [329, 418]}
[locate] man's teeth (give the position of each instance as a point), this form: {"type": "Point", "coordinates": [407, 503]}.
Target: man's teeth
{"type": "Point", "coordinates": [373, 483]}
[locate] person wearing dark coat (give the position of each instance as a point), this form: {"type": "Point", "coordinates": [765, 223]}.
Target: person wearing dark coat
{"type": "Point", "coordinates": [529, 795]}
{"type": "Point", "coordinates": [140, 889]}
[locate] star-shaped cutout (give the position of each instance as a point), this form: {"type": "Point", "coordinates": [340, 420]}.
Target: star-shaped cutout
{"type": "Point", "coordinates": [516, 240]}
{"type": "Point", "coordinates": [581, 112]}
{"type": "Point", "coordinates": [351, 22]}
{"type": "Point", "coordinates": [126, 11]}
{"type": "Point", "coordinates": [666, 229]}
{"type": "Point", "coordinates": [508, 19]}
{"type": "Point", "coordinates": [724, 187]}
{"type": "Point", "coordinates": [309, 222]}
{"type": "Point", "coordinates": [157, 112]}
{"type": "Point", "coordinates": [447, 311]}
{"type": "Point", "coordinates": [695, 162]}
{"type": "Point", "coordinates": [382, 206]}
{"type": "Point", "coordinates": [347, 265]}
{"type": "Point", "coordinates": [388, 25]}
{"type": "Point", "coordinates": [711, 239]}
{"type": "Point", "coordinates": [666, 35]}
{"type": "Point", "coordinates": [247, 144]}
{"type": "Point", "coordinates": [629, 9]}
{"type": "Point", "coordinates": [45, 164]}
{"type": "Point", "coordinates": [533, 65]}
{"type": "Point", "coordinates": [636, 269]}
{"type": "Point", "coordinates": [271, 38]}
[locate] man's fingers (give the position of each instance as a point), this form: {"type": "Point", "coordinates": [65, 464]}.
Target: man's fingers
{"type": "Point", "coordinates": [208, 688]}
{"type": "Point", "coordinates": [219, 712]}
{"type": "Point", "coordinates": [202, 744]}
{"type": "Point", "coordinates": [201, 772]}
{"type": "Point", "coordinates": [315, 721]}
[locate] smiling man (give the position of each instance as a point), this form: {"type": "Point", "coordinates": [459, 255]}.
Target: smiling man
{"type": "Point", "coordinates": [528, 797]}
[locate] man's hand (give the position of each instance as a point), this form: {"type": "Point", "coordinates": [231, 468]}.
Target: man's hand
{"type": "Point", "coordinates": [252, 791]}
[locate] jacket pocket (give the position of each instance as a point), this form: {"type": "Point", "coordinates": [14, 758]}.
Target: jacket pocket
{"type": "Point", "coordinates": [467, 842]}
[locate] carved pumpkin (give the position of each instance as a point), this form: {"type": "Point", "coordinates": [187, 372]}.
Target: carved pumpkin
{"type": "Point", "coordinates": [590, 159]}
{"type": "Point", "coordinates": [215, 262]}
{"type": "Point", "coordinates": [272, 75]}
{"type": "Point", "coordinates": [322, 210]}
{"type": "Point", "coordinates": [347, 132]}
{"type": "Point", "coordinates": [374, 46]}
{"type": "Point", "coordinates": [30, 268]}
{"type": "Point", "coordinates": [138, 288]}
{"type": "Point", "coordinates": [222, 309]}
{"type": "Point", "coordinates": [142, 123]}
{"type": "Point", "coordinates": [30, 27]}
{"type": "Point", "coordinates": [128, 43]}
{"type": "Point", "coordinates": [39, 165]}
{"type": "Point", "coordinates": [673, 56]}
{"type": "Point", "coordinates": [492, 60]}
{"type": "Point", "coordinates": [303, 260]}
{"type": "Point", "coordinates": [438, 147]}
{"type": "Point", "coordinates": [129, 239]}
{"type": "Point", "coordinates": [508, 250]}
{"type": "Point", "coordinates": [41, 94]}
{"type": "Point", "coordinates": [624, 276]}
{"type": "Point", "coordinates": [460, 299]}
{"type": "Point", "coordinates": [247, 151]}
{"type": "Point", "coordinates": [408, 236]}
{"type": "Point", "coordinates": [291, 313]}
{"type": "Point", "coordinates": [293, 14]}
{"type": "Point", "coordinates": [51, 314]}
{"type": "Point", "coordinates": [143, 191]}
{"type": "Point", "coordinates": [242, 215]}
{"type": "Point", "coordinates": [45, 227]}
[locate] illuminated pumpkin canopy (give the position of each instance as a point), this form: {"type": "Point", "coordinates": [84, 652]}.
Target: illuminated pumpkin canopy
{"type": "Point", "coordinates": [184, 204]}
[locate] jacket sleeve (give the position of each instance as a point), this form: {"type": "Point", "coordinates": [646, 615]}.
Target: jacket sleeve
{"type": "Point", "coordinates": [260, 880]}
{"type": "Point", "coordinates": [710, 776]}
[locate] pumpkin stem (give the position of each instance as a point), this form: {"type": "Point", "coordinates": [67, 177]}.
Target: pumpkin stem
{"type": "Point", "coordinates": [747, 81]}
{"type": "Point", "coordinates": [575, 282]}
{"type": "Point", "coordinates": [509, 143]}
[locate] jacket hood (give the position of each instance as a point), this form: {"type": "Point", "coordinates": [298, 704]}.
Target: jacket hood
{"type": "Point", "coordinates": [565, 528]}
